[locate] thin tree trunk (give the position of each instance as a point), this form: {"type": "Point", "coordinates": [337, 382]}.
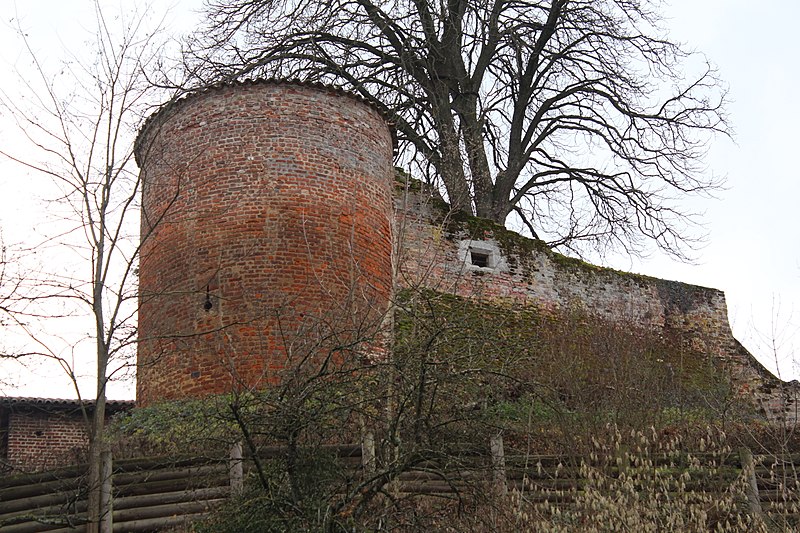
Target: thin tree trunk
{"type": "Point", "coordinates": [106, 495]}
{"type": "Point", "coordinates": [96, 443]}
{"type": "Point", "coordinates": [94, 511]}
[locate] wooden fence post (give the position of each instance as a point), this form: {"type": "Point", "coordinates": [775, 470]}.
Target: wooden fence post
{"type": "Point", "coordinates": [498, 464]}
{"type": "Point", "coordinates": [623, 459]}
{"type": "Point", "coordinates": [236, 468]}
{"type": "Point", "coordinates": [368, 454]}
{"type": "Point", "coordinates": [749, 471]}
{"type": "Point", "coordinates": [106, 493]}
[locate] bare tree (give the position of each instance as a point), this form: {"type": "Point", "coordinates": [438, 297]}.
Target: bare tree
{"type": "Point", "coordinates": [573, 114]}
{"type": "Point", "coordinates": [12, 308]}
{"type": "Point", "coordinates": [80, 120]}
{"type": "Point", "coordinates": [9, 283]}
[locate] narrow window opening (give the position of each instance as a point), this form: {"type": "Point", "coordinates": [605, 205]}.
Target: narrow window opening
{"type": "Point", "coordinates": [479, 259]}
{"type": "Point", "coordinates": [207, 305]}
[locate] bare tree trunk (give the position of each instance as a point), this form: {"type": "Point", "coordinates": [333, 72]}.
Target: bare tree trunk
{"type": "Point", "coordinates": [95, 511]}
{"type": "Point", "coordinates": [106, 495]}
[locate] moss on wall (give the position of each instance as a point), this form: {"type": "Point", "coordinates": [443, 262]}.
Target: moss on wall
{"type": "Point", "coordinates": [612, 302]}
{"type": "Point", "coordinates": [561, 366]}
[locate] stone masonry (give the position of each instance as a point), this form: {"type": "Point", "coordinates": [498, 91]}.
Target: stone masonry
{"type": "Point", "coordinates": [479, 260]}
{"type": "Point", "coordinates": [267, 208]}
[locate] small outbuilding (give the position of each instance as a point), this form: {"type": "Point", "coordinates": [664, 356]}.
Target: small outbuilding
{"type": "Point", "coordinates": [42, 433]}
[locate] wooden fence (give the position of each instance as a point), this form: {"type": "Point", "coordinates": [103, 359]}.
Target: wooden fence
{"type": "Point", "coordinates": [148, 494]}
{"type": "Point", "coordinates": [157, 493]}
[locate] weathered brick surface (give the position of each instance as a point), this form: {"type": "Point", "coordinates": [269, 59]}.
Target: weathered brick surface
{"type": "Point", "coordinates": [42, 433]}
{"type": "Point", "coordinates": [432, 255]}
{"type": "Point", "coordinates": [274, 200]}
{"type": "Point", "coordinates": [41, 440]}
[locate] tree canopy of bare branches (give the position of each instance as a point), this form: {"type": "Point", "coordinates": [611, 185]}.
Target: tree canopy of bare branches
{"type": "Point", "coordinates": [573, 114]}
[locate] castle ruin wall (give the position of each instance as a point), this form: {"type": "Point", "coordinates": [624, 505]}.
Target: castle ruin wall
{"type": "Point", "coordinates": [478, 260]}
{"type": "Point", "coordinates": [267, 208]}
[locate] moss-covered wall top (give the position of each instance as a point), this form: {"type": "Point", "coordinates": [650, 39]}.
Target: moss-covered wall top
{"type": "Point", "coordinates": [516, 361]}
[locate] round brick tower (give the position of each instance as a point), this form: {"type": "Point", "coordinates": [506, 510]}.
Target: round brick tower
{"type": "Point", "coordinates": [266, 236]}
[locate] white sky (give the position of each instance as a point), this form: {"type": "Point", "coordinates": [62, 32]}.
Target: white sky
{"type": "Point", "coordinates": [753, 253]}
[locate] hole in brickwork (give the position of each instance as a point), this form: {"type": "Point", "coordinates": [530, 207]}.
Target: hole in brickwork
{"type": "Point", "coordinates": [196, 374]}
{"type": "Point", "coordinates": [207, 304]}
{"type": "Point", "coordinates": [478, 258]}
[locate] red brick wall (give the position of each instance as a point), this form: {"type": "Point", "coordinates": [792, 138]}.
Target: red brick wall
{"type": "Point", "coordinates": [41, 440]}
{"type": "Point", "coordinates": [274, 200]}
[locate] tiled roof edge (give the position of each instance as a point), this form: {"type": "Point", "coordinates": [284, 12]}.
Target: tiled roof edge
{"type": "Point", "coordinates": [61, 403]}
{"type": "Point", "coordinates": [179, 101]}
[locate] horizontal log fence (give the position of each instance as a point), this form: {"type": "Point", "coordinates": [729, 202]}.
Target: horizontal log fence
{"type": "Point", "coordinates": [150, 494]}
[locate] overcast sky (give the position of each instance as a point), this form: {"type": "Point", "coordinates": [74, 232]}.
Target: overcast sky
{"type": "Point", "coordinates": [752, 252]}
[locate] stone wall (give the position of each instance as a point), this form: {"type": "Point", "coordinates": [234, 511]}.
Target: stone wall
{"type": "Point", "coordinates": [267, 211]}
{"type": "Point", "coordinates": [474, 258]}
